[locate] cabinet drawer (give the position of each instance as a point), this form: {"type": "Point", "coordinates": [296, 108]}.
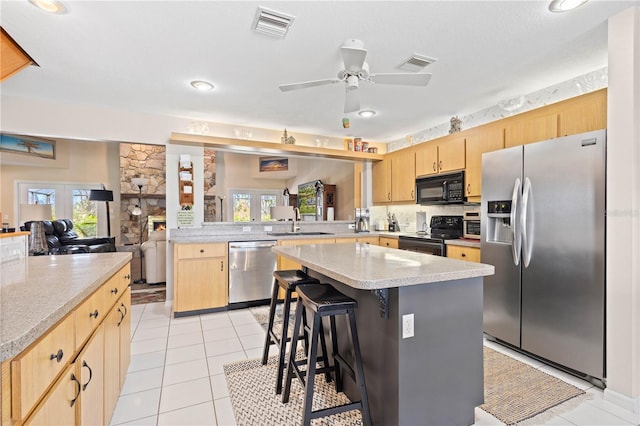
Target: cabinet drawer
{"type": "Point", "coordinates": [389, 242]}
{"type": "Point", "coordinates": [89, 314]}
{"type": "Point", "coordinates": [470, 254]}
{"type": "Point", "coordinates": [35, 369]}
{"type": "Point", "coordinates": [199, 251]}
{"type": "Point", "coordinates": [116, 286]}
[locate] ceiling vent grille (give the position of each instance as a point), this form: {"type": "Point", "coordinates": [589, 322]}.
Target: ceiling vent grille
{"type": "Point", "coordinates": [272, 23]}
{"type": "Point", "coordinates": [417, 62]}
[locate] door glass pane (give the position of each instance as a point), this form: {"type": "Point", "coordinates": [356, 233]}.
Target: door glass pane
{"type": "Point", "coordinates": [43, 196]}
{"type": "Point", "coordinates": [85, 216]}
{"type": "Point", "coordinates": [241, 207]}
{"type": "Point", "coordinates": [266, 201]}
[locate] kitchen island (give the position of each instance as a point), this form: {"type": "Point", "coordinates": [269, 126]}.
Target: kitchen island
{"type": "Point", "coordinates": [419, 322]}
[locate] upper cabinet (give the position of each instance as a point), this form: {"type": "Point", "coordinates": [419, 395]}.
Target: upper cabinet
{"type": "Point", "coordinates": [583, 113]}
{"type": "Point", "coordinates": [442, 155]}
{"type": "Point", "coordinates": [528, 128]}
{"type": "Point", "coordinates": [381, 181]}
{"type": "Point", "coordinates": [403, 175]}
{"type": "Point", "coordinates": [480, 140]}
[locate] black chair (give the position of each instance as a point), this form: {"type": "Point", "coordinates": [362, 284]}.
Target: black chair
{"type": "Point", "coordinates": [325, 301]}
{"type": "Point", "coordinates": [288, 281]}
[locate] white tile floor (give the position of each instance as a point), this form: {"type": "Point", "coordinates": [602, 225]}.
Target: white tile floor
{"type": "Point", "coordinates": [176, 376]}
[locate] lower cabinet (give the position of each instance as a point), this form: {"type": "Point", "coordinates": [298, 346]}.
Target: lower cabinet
{"type": "Point", "coordinates": [90, 372]}
{"type": "Point", "coordinates": [57, 409]}
{"type": "Point", "coordinates": [388, 242]}
{"type": "Point", "coordinates": [117, 348]}
{"type": "Point", "coordinates": [470, 254]}
{"type": "Point", "coordinates": [200, 276]}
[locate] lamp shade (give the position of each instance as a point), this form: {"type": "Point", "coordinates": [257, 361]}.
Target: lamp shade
{"type": "Point", "coordinates": [139, 181]}
{"type": "Point", "coordinates": [35, 212]}
{"type": "Point", "coordinates": [101, 195]}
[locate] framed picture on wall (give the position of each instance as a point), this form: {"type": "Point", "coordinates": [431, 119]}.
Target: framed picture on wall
{"type": "Point", "coordinates": [27, 145]}
{"type": "Point", "coordinates": [274, 164]}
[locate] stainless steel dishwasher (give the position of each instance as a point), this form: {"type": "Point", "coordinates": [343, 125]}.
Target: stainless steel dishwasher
{"type": "Point", "coordinates": [251, 266]}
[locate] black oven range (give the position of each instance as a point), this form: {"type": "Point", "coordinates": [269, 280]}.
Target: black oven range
{"type": "Point", "coordinates": [441, 228]}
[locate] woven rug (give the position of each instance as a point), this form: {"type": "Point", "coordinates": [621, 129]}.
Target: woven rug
{"type": "Point", "coordinates": [515, 393]}
{"type": "Point", "coordinates": [147, 293]}
{"type": "Point", "coordinates": [261, 314]}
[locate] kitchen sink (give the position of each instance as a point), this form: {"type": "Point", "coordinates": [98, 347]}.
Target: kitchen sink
{"type": "Point", "coordinates": [285, 234]}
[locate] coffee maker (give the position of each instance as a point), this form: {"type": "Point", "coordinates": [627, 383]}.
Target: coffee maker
{"type": "Point", "coordinates": [362, 220]}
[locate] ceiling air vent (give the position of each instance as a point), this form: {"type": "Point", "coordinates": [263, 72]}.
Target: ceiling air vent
{"type": "Point", "coordinates": [272, 23]}
{"type": "Point", "coordinates": [417, 62]}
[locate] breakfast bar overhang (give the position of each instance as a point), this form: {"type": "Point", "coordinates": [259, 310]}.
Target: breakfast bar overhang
{"type": "Point", "coordinates": [435, 376]}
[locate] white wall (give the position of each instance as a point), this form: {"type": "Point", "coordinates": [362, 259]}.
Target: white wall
{"type": "Point", "coordinates": [623, 211]}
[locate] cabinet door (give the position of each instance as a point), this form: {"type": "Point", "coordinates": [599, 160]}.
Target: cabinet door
{"type": "Point", "coordinates": [89, 314]}
{"type": "Point", "coordinates": [90, 371]}
{"type": "Point", "coordinates": [59, 407]}
{"type": "Point", "coordinates": [389, 242]}
{"type": "Point", "coordinates": [111, 363]}
{"type": "Point", "coordinates": [199, 284]}
{"type": "Point", "coordinates": [369, 240]}
{"type": "Point", "coordinates": [483, 140]}
{"type": "Point", "coordinates": [584, 114]}
{"type": "Point", "coordinates": [124, 326]}
{"type": "Point", "coordinates": [531, 129]}
{"type": "Point", "coordinates": [451, 154]}
{"type": "Point", "coordinates": [470, 254]}
{"type": "Point", "coordinates": [403, 175]}
{"type": "Point", "coordinates": [427, 159]}
{"type": "Point", "coordinates": [381, 180]}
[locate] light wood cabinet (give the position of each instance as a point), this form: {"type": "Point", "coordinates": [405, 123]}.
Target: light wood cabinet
{"type": "Point", "coordinates": [111, 364]}
{"type": "Point", "coordinates": [13, 59]}
{"type": "Point", "coordinates": [388, 242]}
{"type": "Point", "coordinates": [381, 181]}
{"type": "Point", "coordinates": [57, 408]}
{"type": "Point", "coordinates": [403, 175]}
{"type": "Point", "coordinates": [200, 276]}
{"type": "Point", "coordinates": [89, 314]}
{"type": "Point", "coordinates": [441, 155]}
{"type": "Point", "coordinates": [124, 326]}
{"type": "Point", "coordinates": [583, 113]}
{"type": "Point", "coordinates": [368, 240]}
{"type": "Point", "coordinates": [478, 141]}
{"type": "Point", "coordinates": [530, 128]}
{"type": "Point", "coordinates": [470, 254]}
{"type": "Point", "coordinates": [90, 372]}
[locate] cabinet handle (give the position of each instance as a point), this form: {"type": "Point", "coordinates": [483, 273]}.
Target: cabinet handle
{"type": "Point", "coordinates": [440, 164]}
{"type": "Point", "coordinates": [94, 314]}
{"type": "Point", "coordinates": [57, 356]}
{"type": "Point", "coordinates": [121, 317]}
{"type": "Point", "coordinates": [468, 188]}
{"type": "Point", "coordinates": [412, 194]}
{"type": "Point", "coordinates": [114, 291]}
{"type": "Point", "coordinates": [222, 265]}
{"type": "Point", "coordinates": [73, 378]}
{"type": "Point", "coordinates": [125, 308]}
{"type": "Point", "coordinates": [128, 277]}
{"type": "Point", "coordinates": [84, 364]}
{"type": "Point", "coordinates": [201, 250]}
{"type": "Point", "coordinates": [389, 196]}
{"type": "Point", "coordinates": [434, 166]}
{"type": "Point", "coordinates": [464, 255]}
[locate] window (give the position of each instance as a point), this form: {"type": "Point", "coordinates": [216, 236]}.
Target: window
{"type": "Point", "coordinates": [252, 205]}
{"type": "Point", "coordinates": [68, 201]}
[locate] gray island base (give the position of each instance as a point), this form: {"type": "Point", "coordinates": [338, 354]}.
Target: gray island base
{"type": "Point", "coordinates": [434, 377]}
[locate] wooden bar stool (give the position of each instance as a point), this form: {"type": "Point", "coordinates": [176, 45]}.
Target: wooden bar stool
{"type": "Point", "coordinates": [325, 301]}
{"type": "Point", "coordinates": [287, 280]}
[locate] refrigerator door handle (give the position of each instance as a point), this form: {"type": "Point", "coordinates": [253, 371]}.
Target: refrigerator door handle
{"type": "Point", "coordinates": [527, 222]}
{"type": "Point", "coordinates": [515, 221]}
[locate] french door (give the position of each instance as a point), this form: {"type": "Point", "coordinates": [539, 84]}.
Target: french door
{"type": "Point", "coordinates": [252, 205]}
{"type": "Point", "coordinates": [68, 201]}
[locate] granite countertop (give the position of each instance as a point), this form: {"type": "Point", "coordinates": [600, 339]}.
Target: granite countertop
{"type": "Point", "coordinates": [37, 291]}
{"type": "Point", "coordinates": [465, 242]}
{"type": "Point", "coordinates": [369, 267]}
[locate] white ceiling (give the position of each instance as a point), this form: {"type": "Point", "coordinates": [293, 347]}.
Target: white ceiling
{"type": "Point", "coordinates": [141, 55]}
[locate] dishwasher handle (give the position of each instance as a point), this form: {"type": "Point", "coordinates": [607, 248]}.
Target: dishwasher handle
{"type": "Point", "coordinates": [251, 244]}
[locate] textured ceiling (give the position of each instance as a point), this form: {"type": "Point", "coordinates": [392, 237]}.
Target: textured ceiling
{"type": "Point", "coordinates": [141, 55]}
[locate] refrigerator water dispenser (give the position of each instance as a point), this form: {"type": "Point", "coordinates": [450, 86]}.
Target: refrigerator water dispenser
{"type": "Point", "coordinates": [499, 229]}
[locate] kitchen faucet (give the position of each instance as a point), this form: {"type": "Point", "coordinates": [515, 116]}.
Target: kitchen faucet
{"type": "Point", "coordinates": [296, 217]}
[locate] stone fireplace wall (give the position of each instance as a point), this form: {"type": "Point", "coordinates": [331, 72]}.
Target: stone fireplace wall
{"type": "Point", "coordinates": [210, 185]}
{"type": "Point", "coordinates": [148, 161]}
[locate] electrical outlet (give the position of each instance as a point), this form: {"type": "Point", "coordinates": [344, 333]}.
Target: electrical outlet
{"type": "Point", "coordinates": [407, 326]}
{"type": "Point", "coordinates": [268, 228]}
{"type": "Point", "coordinates": [352, 226]}
{"type": "Point", "coordinates": [246, 229]}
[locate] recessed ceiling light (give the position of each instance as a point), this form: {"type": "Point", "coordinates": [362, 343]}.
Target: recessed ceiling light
{"type": "Point", "coordinates": [201, 85]}
{"type": "Point", "coordinates": [565, 5]}
{"type": "Point", "coordinates": [366, 113]}
{"type": "Point", "coordinates": [51, 6]}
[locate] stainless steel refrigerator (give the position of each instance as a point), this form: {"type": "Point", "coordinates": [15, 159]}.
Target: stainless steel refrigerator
{"type": "Point", "coordinates": [543, 228]}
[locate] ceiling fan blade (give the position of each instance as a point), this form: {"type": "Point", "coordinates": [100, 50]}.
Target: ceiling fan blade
{"type": "Point", "coordinates": [353, 58]}
{"type": "Point", "coordinates": [402, 79]}
{"type": "Point", "coordinates": [352, 101]}
{"type": "Point", "coordinates": [305, 84]}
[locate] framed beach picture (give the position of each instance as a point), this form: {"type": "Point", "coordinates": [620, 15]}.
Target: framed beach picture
{"type": "Point", "coordinates": [274, 164]}
{"type": "Point", "coordinates": [27, 145]}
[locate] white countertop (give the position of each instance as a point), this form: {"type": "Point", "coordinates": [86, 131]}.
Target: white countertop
{"type": "Point", "coordinates": [464, 242]}
{"type": "Point", "coordinates": [38, 291]}
{"type": "Point", "coordinates": [264, 236]}
{"type": "Point", "coordinates": [369, 267]}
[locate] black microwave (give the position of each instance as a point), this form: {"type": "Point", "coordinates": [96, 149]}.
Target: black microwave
{"type": "Point", "coordinates": [440, 189]}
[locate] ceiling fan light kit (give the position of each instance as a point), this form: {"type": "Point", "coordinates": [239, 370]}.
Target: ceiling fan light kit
{"type": "Point", "coordinates": [356, 70]}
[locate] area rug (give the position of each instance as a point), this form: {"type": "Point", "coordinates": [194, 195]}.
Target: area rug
{"type": "Point", "coordinates": [261, 314]}
{"type": "Point", "coordinates": [148, 293]}
{"type": "Point", "coordinates": [515, 393]}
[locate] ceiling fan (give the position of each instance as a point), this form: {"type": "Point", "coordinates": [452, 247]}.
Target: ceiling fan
{"type": "Point", "coordinates": [356, 70]}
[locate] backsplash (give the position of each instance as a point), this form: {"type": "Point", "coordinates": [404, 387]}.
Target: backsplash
{"type": "Point", "coordinates": [406, 214]}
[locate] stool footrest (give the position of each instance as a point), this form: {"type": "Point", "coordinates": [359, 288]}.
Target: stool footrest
{"type": "Point", "coordinates": [324, 412]}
